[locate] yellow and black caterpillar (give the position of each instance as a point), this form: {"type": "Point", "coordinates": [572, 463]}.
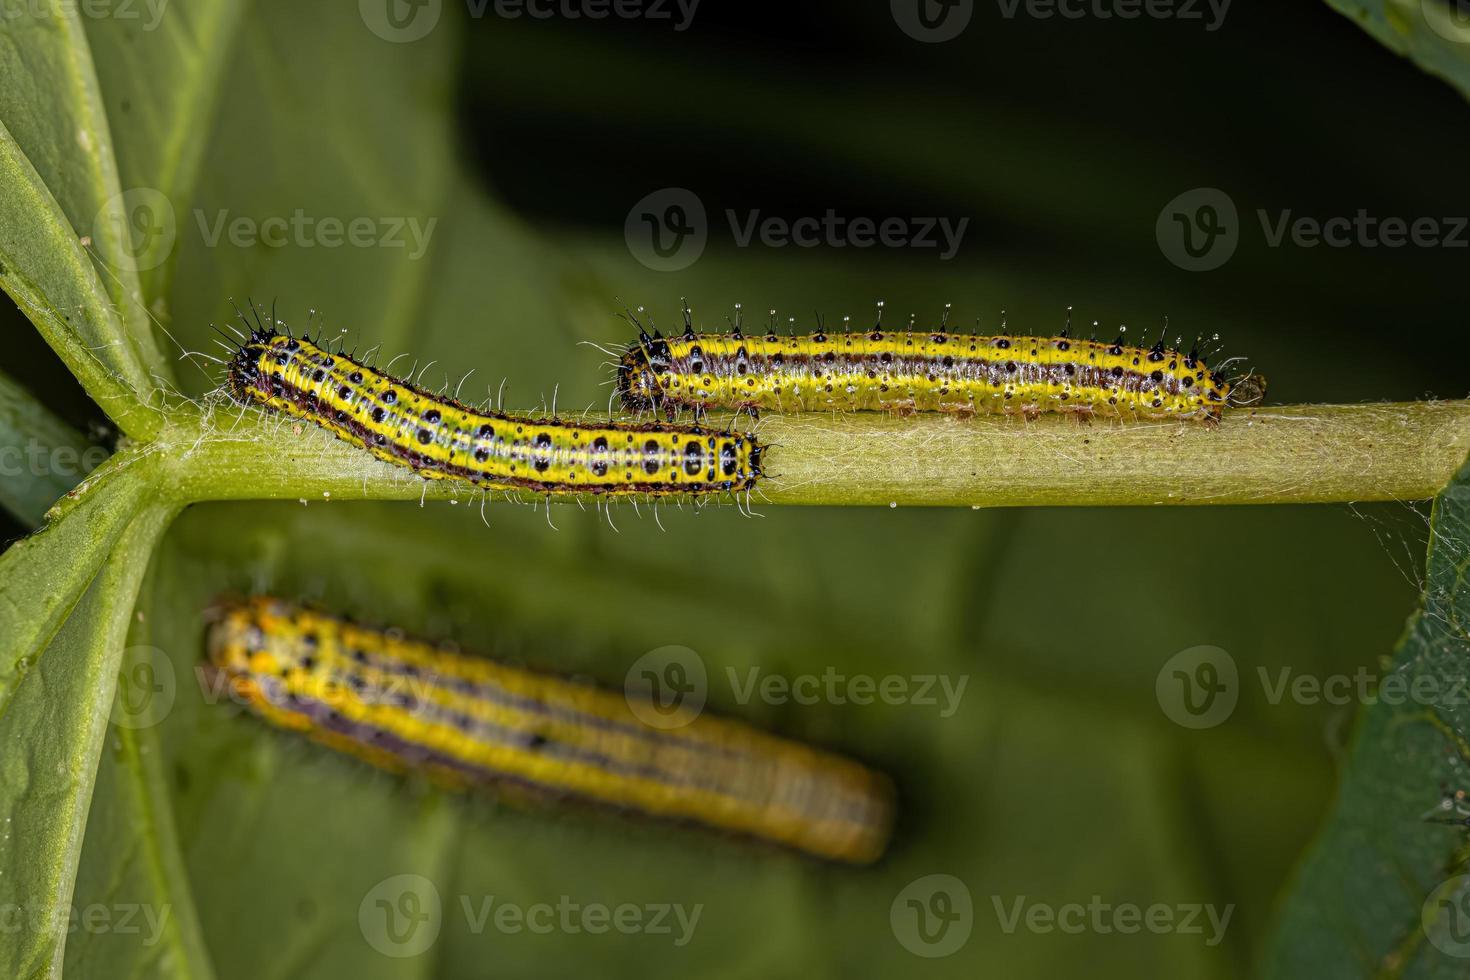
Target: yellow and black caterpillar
{"type": "Point", "coordinates": [921, 371]}
{"type": "Point", "coordinates": [407, 705]}
{"type": "Point", "coordinates": [440, 438]}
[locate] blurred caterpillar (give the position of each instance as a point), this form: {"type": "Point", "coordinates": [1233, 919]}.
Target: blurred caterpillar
{"type": "Point", "coordinates": [403, 705]}
{"type": "Point", "coordinates": [440, 438]}
{"type": "Point", "coordinates": [909, 371]}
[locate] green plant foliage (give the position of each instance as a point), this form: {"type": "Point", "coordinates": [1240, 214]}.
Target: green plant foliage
{"type": "Point", "coordinates": [1431, 33]}
{"type": "Point", "coordinates": [1381, 893]}
{"type": "Point", "coordinates": [245, 853]}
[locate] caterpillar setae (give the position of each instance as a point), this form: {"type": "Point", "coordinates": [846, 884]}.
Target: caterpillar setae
{"type": "Point", "coordinates": [914, 371]}
{"type": "Point", "coordinates": [440, 438]}
{"type": "Point", "coordinates": [407, 705]}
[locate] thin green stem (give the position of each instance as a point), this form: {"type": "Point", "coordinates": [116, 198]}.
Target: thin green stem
{"type": "Point", "coordinates": [1287, 454]}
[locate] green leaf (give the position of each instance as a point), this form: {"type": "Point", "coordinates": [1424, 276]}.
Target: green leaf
{"type": "Point", "coordinates": [53, 114]}
{"type": "Point", "coordinates": [132, 894]}
{"type": "Point", "coordinates": [1381, 893]}
{"type": "Point", "coordinates": [41, 457]}
{"type": "Point", "coordinates": [47, 781]}
{"type": "Point", "coordinates": [43, 576]}
{"type": "Point", "coordinates": [52, 280]}
{"type": "Point", "coordinates": [1430, 33]}
{"type": "Point", "coordinates": [161, 71]}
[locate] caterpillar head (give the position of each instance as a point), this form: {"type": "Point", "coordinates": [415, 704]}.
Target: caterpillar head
{"type": "Point", "coordinates": [254, 372]}
{"type": "Point", "coordinates": [638, 373]}
{"type": "Point", "coordinates": [756, 471]}
{"type": "Point", "coordinates": [243, 372]}
{"type": "Point", "coordinates": [1247, 391]}
{"type": "Point", "coordinates": [258, 647]}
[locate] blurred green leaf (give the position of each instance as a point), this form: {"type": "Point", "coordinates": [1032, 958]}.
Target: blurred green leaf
{"type": "Point", "coordinates": [1384, 891]}
{"type": "Point", "coordinates": [160, 74]}
{"type": "Point", "coordinates": [131, 877]}
{"type": "Point", "coordinates": [1433, 34]}
{"type": "Point", "coordinates": [41, 457]}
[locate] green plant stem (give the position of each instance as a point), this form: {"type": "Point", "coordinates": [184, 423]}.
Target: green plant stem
{"type": "Point", "coordinates": [1287, 454]}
